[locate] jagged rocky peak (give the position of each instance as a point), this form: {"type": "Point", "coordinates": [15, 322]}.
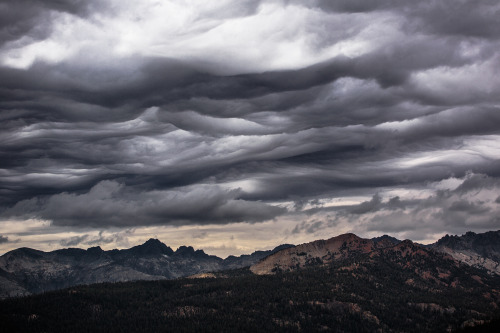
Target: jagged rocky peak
{"type": "Point", "coordinates": [316, 252]}
{"type": "Point", "coordinates": [407, 248]}
{"type": "Point", "coordinates": [190, 251]}
{"type": "Point", "coordinates": [342, 247]}
{"type": "Point", "coordinates": [153, 242]}
{"type": "Point", "coordinates": [471, 239]}
{"type": "Point", "coordinates": [152, 247]}
{"type": "Point", "coordinates": [478, 250]}
{"type": "Point", "coordinates": [385, 241]}
{"type": "Point", "coordinates": [185, 250]}
{"type": "Point", "coordinates": [449, 241]}
{"type": "Point", "coordinates": [96, 250]}
{"type": "Point", "coordinates": [486, 244]}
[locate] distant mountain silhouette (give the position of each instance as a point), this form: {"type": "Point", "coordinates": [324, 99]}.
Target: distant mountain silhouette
{"type": "Point", "coordinates": [25, 271]}
{"type": "Point", "coordinates": [151, 247]}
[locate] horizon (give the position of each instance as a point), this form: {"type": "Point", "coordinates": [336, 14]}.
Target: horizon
{"type": "Point", "coordinates": [231, 126]}
{"type": "Point", "coordinates": [224, 257]}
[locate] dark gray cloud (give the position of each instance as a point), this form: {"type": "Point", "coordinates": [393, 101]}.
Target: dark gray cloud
{"type": "Point", "coordinates": [109, 203]}
{"type": "Point", "coordinates": [476, 182]}
{"type": "Point", "coordinates": [32, 18]}
{"type": "Point", "coordinates": [4, 239]}
{"type": "Point", "coordinates": [309, 227]}
{"type": "Point", "coordinates": [368, 206]}
{"type": "Point", "coordinates": [74, 241]}
{"type": "Point", "coordinates": [110, 238]}
{"type": "Point", "coordinates": [468, 207]}
{"type": "Point", "coordinates": [95, 240]}
{"type": "Point", "coordinates": [448, 17]}
{"type": "Point", "coordinates": [97, 139]}
{"type": "Point", "coordinates": [455, 211]}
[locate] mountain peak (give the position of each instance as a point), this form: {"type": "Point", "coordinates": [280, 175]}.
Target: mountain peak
{"type": "Point", "coordinates": [479, 250]}
{"type": "Point", "coordinates": [407, 244]}
{"type": "Point", "coordinates": [96, 250]}
{"type": "Point", "coordinates": [313, 253]}
{"type": "Point", "coordinates": [190, 251]}
{"type": "Point", "coordinates": [385, 241]}
{"type": "Point", "coordinates": [25, 252]}
{"type": "Point", "coordinates": [153, 241]}
{"type": "Point", "coordinates": [337, 248]}
{"type": "Point", "coordinates": [152, 247]}
{"type": "Point", "coordinates": [347, 236]}
{"type": "Point", "coordinates": [185, 250]}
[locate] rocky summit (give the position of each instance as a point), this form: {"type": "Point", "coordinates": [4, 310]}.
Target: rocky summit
{"type": "Point", "coordinates": [317, 252]}
{"type": "Point", "coordinates": [478, 250]}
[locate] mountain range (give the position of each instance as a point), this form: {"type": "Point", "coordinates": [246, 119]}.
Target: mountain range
{"type": "Point", "coordinates": [341, 284]}
{"type": "Point", "coordinates": [27, 271]}
{"type": "Point", "coordinates": [481, 251]}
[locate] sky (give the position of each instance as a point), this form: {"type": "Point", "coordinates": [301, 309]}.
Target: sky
{"type": "Point", "coordinates": [235, 126]}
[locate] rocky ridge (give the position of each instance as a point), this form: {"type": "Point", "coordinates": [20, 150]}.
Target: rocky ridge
{"type": "Point", "coordinates": [26, 271]}
{"type": "Point", "coordinates": [477, 250]}
{"type": "Point", "coordinates": [317, 252]}
{"type": "Point", "coordinates": [343, 284]}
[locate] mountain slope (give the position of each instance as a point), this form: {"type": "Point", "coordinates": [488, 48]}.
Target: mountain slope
{"type": "Point", "coordinates": [24, 271]}
{"type": "Point", "coordinates": [416, 261]}
{"type": "Point", "coordinates": [403, 288]}
{"type": "Point", "coordinates": [313, 253]}
{"type": "Point", "coordinates": [478, 250]}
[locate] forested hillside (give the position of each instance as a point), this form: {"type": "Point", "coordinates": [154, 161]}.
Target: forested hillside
{"type": "Point", "coordinates": [359, 294]}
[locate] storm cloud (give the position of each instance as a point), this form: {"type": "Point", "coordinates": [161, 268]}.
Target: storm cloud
{"type": "Point", "coordinates": [470, 204]}
{"type": "Point", "coordinates": [118, 115]}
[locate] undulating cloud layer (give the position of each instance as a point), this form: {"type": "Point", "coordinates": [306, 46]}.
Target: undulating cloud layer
{"type": "Point", "coordinates": [238, 125]}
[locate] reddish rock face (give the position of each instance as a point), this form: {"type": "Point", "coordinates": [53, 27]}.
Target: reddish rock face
{"type": "Point", "coordinates": [317, 252]}
{"type": "Point", "coordinates": [341, 247]}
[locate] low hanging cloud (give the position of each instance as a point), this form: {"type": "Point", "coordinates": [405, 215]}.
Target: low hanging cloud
{"type": "Point", "coordinates": [368, 206]}
{"type": "Point", "coordinates": [101, 238]}
{"type": "Point", "coordinates": [309, 227]}
{"type": "Point", "coordinates": [74, 241]}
